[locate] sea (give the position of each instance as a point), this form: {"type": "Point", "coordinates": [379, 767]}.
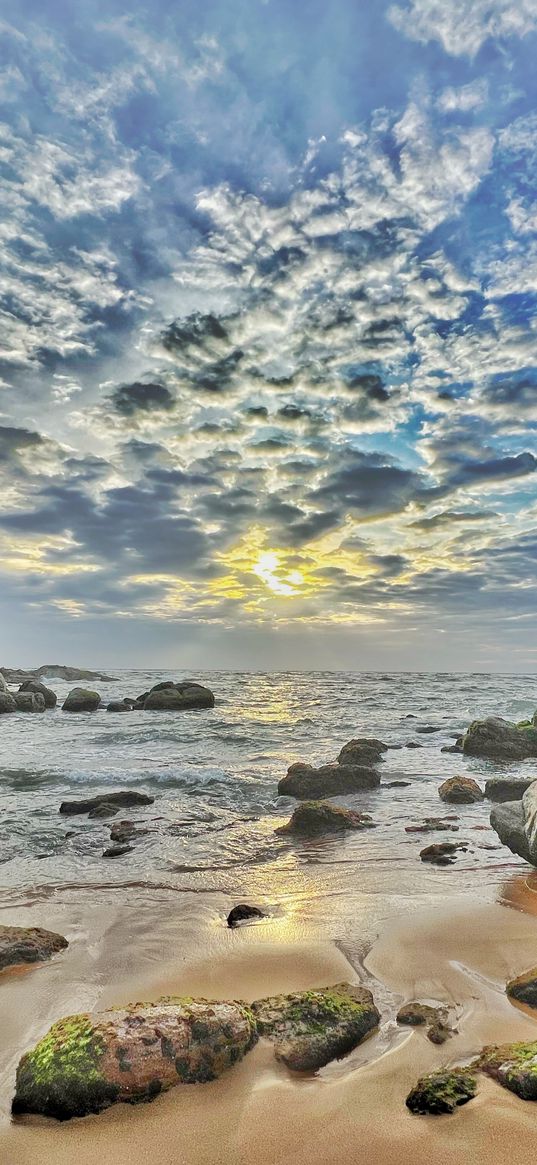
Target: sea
{"type": "Point", "coordinates": [214, 773]}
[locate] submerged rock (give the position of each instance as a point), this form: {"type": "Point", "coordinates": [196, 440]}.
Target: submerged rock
{"type": "Point", "coordinates": [303, 781]}
{"type": "Point", "coordinates": [442, 1092]}
{"type": "Point", "coordinates": [314, 817]}
{"type": "Point", "coordinates": [500, 739]}
{"type": "Point", "coordinates": [242, 913]}
{"type": "Point", "coordinates": [131, 1054]}
{"type": "Point", "coordinates": [430, 825]}
{"type": "Point", "coordinates": [442, 853]}
{"type": "Point", "coordinates": [81, 700]}
{"type": "Point", "coordinates": [28, 944]}
{"type": "Point", "coordinates": [123, 799]}
{"type": "Point", "coordinates": [169, 697]}
{"type": "Point", "coordinates": [460, 791]}
{"type": "Point", "coordinates": [507, 788]}
{"type": "Point", "coordinates": [512, 1065]}
{"type": "Point", "coordinates": [310, 1028]}
{"type": "Point", "coordinates": [364, 750]}
{"type": "Point", "coordinates": [117, 851]}
{"type": "Point", "coordinates": [524, 988]}
{"type": "Point", "coordinates": [29, 702]}
{"type": "Point", "coordinates": [123, 831]}
{"type": "Point", "coordinates": [515, 822]}
{"type": "Point", "coordinates": [40, 689]}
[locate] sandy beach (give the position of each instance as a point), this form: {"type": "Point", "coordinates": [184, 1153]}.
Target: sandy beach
{"type": "Point", "coordinates": [460, 953]}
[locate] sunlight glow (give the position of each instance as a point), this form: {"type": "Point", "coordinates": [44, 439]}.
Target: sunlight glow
{"type": "Point", "coordinates": [267, 567]}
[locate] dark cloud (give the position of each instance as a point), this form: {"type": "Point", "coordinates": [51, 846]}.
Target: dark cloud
{"type": "Point", "coordinates": [452, 518]}
{"type": "Point", "coordinates": [367, 486]}
{"type": "Point", "coordinates": [130, 399]}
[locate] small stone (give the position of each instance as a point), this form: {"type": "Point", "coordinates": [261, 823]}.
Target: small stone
{"type": "Point", "coordinates": [242, 913]}
{"type": "Point", "coordinates": [117, 851]}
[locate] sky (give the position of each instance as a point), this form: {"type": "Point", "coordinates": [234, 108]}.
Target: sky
{"type": "Point", "coordinates": [268, 364]}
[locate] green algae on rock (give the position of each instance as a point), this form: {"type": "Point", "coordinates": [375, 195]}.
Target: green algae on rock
{"type": "Point", "coordinates": [314, 817]}
{"type": "Point", "coordinates": [442, 1092]}
{"type": "Point", "coordinates": [310, 1028]}
{"type": "Point", "coordinates": [512, 1065]}
{"type": "Point", "coordinates": [28, 944]}
{"type": "Point", "coordinates": [87, 1062]}
{"type": "Point", "coordinates": [524, 988]}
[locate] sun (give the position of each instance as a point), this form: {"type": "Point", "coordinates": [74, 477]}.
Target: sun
{"type": "Point", "coordinates": [268, 568]}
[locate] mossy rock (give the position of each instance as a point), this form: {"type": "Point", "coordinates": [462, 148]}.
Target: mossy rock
{"type": "Point", "coordinates": [513, 1065]}
{"type": "Point", "coordinates": [310, 1028]}
{"type": "Point", "coordinates": [442, 1092]}
{"type": "Point", "coordinates": [87, 1062]}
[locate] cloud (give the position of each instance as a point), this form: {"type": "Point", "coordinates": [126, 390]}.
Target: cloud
{"type": "Point", "coordinates": [463, 26]}
{"type": "Point", "coordinates": [129, 399]}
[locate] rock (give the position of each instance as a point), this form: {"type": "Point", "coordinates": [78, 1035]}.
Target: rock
{"type": "Point", "coordinates": [119, 706]}
{"type": "Point", "coordinates": [117, 851]}
{"type": "Point", "coordinates": [413, 744]}
{"type": "Point", "coordinates": [103, 810]}
{"type": "Point", "coordinates": [512, 1065]}
{"type": "Point", "coordinates": [515, 822]}
{"type": "Point", "coordinates": [363, 750]}
{"type": "Point", "coordinates": [417, 1014]}
{"type": "Point", "coordinates": [123, 831]}
{"type": "Point", "coordinates": [241, 913]}
{"type": "Point", "coordinates": [455, 748]}
{"type": "Point", "coordinates": [123, 799]}
{"type": "Point", "coordinates": [81, 700]}
{"type": "Point", "coordinates": [428, 729]}
{"type": "Point", "coordinates": [28, 944]}
{"type": "Point", "coordinates": [7, 703]}
{"type": "Point", "coordinates": [59, 671]}
{"type": "Point", "coordinates": [430, 824]}
{"type": "Point", "coordinates": [314, 817]}
{"type": "Point", "coordinates": [310, 1028]}
{"type": "Point", "coordinates": [304, 782]}
{"type": "Point", "coordinates": [48, 695]}
{"type": "Point", "coordinates": [524, 988]}
{"type": "Point", "coordinates": [507, 788]}
{"type": "Point", "coordinates": [178, 697]}
{"type": "Point", "coordinates": [29, 702]}
{"type": "Point", "coordinates": [396, 784]}
{"type": "Point", "coordinates": [87, 1062]}
{"type": "Point", "coordinates": [439, 1032]}
{"type": "Point", "coordinates": [443, 853]}
{"type": "Point", "coordinates": [442, 1092]}
{"type": "Point", "coordinates": [499, 740]}
{"type": "Point", "coordinates": [460, 791]}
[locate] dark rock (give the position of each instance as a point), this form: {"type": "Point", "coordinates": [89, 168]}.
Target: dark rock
{"type": "Point", "coordinates": [123, 831]}
{"type": "Point", "coordinates": [81, 700]}
{"type": "Point", "coordinates": [442, 1092]}
{"type": "Point", "coordinates": [413, 744]}
{"type": "Point", "coordinates": [507, 788]}
{"type": "Point", "coordinates": [442, 853]}
{"type": "Point", "coordinates": [314, 817]}
{"type": "Point", "coordinates": [524, 988]}
{"type": "Point", "coordinates": [418, 1014]}
{"type": "Point", "coordinates": [514, 1066]}
{"type": "Point", "coordinates": [454, 748]}
{"type": "Point", "coordinates": [303, 781]}
{"type": "Point", "coordinates": [430, 824]}
{"type": "Point", "coordinates": [87, 1062]}
{"type": "Point", "coordinates": [48, 695]}
{"type": "Point", "coordinates": [428, 729]}
{"type": "Point", "coordinates": [123, 799]}
{"type": "Point", "coordinates": [396, 784]}
{"type": "Point", "coordinates": [120, 706]}
{"type": "Point", "coordinates": [500, 740]}
{"type": "Point", "coordinates": [28, 944]}
{"type": "Point", "coordinates": [29, 702]}
{"type": "Point", "coordinates": [117, 851]}
{"type": "Point", "coordinates": [460, 791]}
{"type": "Point", "coordinates": [178, 698]}
{"type": "Point", "coordinates": [310, 1028]}
{"type": "Point", "coordinates": [103, 810]}
{"type": "Point", "coordinates": [241, 913]}
{"type": "Point", "coordinates": [363, 750]}
{"type": "Point", "coordinates": [7, 703]}
{"type": "Point", "coordinates": [59, 671]}
{"type": "Point", "coordinates": [439, 1032]}
{"type": "Point", "coordinates": [515, 823]}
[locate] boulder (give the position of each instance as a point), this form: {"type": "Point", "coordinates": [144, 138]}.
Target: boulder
{"type": "Point", "coordinates": [81, 700]}
{"type": "Point", "coordinates": [123, 831]}
{"type": "Point", "coordinates": [7, 703]}
{"type": "Point", "coordinates": [310, 1028]}
{"type": "Point", "coordinates": [87, 1062]}
{"type": "Point", "coordinates": [512, 1065]}
{"type": "Point", "coordinates": [29, 702]}
{"type": "Point", "coordinates": [123, 799]}
{"type": "Point", "coordinates": [28, 944]}
{"type": "Point", "coordinates": [499, 740]}
{"type": "Point", "coordinates": [119, 706]}
{"type": "Point", "coordinates": [363, 750]}
{"type": "Point", "coordinates": [515, 822]}
{"type": "Point", "coordinates": [304, 781]}
{"type": "Point", "coordinates": [524, 988]}
{"type": "Point", "coordinates": [48, 695]}
{"type": "Point", "coordinates": [3, 685]}
{"type": "Point", "coordinates": [242, 913]}
{"type": "Point", "coordinates": [178, 697]}
{"type": "Point", "coordinates": [314, 817]}
{"type": "Point", "coordinates": [507, 788]}
{"type": "Point", "coordinates": [434, 1018]}
{"type": "Point", "coordinates": [460, 791]}
{"type": "Point", "coordinates": [442, 1092]}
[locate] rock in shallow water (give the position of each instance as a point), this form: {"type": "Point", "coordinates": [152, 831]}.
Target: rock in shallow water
{"type": "Point", "coordinates": [460, 791]}
{"type": "Point", "coordinates": [507, 788]}
{"type": "Point", "coordinates": [303, 781]}
{"type": "Point", "coordinates": [169, 697]}
{"type": "Point", "coordinates": [500, 739]}
{"type": "Point", "coordinates": [131, 1054]}
{"type": "Point", "coordinates": [40, 689]}
{"type": "Point", "coordinates": [317, 817]}
{"type": "Point", "coordinates": [28, 944]}
{"type": "Point", "coordinates": [242, 913]}
{"type": "Point", "coordinates": [81, 700]}
{"type": "Point", "coordinates": [123, 799]}
{"type": "Point", "coordinates": [29, 702]}
{"type": "Point", "coordinates": [310, 1028]}
{"type": "Point", "coordinates": [363, 750]}
{"type": "Point", "coordinates": [515, 822]}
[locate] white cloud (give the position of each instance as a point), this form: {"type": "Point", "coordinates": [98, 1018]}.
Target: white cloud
{"type": "Point", "coordinates": [463, 26]}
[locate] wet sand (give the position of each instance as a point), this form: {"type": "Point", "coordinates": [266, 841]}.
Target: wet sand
{"type": "Point", "coordinates": [258, 1113]}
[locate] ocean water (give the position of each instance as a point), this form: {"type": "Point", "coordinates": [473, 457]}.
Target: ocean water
{"type": "Point", "coordinates": [214, 775]}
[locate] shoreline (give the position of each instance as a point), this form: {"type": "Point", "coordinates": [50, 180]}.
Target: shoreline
{"type": "Point", "coordinates": [258, 1111]}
